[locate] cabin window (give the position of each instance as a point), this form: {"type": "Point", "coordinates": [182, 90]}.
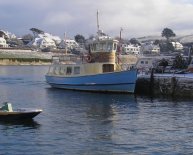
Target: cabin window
{"type": "Point", "coordinates": [103, 46]}
{"type": "Point", "coordinates": [62, 70]}
{"type": "Point", "coordinates": [51, 69]}
{"type": "Point", "coordinates": [146, 62]}
{"type": "Point", "coordinates": [100, 47]}
{"type": "Point", "coordinates": [108, 68]}
{"type": "Point", "coordinates": [68, 70]}
{"type": "Point", "coordinates": [94, 47]}
{"type": "Point", "coordinates": [115, 47]}
{"type": "Point", "coordinates": [109, 47]}
{"type": "Point", "coordinates": [56, 70]}
{"type": "Point", "coordinates": [76, 70]}
{"type": "Point", "coordinates": [97, 47]}
{"type": "Point", "coordinates": [142, 62]}
{"type": "Point", "coordinates": [91, 47]}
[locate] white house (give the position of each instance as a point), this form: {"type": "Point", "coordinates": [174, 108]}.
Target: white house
{"type": "Point", "coordinates": [177, 45]}
{"type": "Point", "coordinates": [3, 42]}
{"type": "Point", "coordinates": [7, 35]}
{"type": "Point", "coordinates": [43, 42]}
{"type": "Point", "coordinates": [150, 48]}
{"type": "Point", "coordinates": [131, 49]}
{"type": "Point", "coordinates": [43, 39]}
{"type": "Point", "coordinates": [69, 44]}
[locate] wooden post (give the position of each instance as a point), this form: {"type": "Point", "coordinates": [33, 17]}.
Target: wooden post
{"type": "Point", "coordinates": [151, 86]}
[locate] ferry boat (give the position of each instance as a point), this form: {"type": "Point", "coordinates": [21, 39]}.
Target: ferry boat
{"type": "Point", "coordinates": [99, 70]}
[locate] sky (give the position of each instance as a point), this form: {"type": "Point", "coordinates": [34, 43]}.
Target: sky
{"type": "Point", "coordinates": [137, 18]}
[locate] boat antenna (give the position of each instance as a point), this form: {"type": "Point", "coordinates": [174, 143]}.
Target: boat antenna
{"type": "Point", "coordinates": [121, 29]}
{"type": "Point", "coordinates": [65, 43]}
{"type": "Point", "coordinates": [98, 22]}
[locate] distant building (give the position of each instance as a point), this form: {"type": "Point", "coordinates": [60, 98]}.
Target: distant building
{"type": "Point", "coordinates": [43, 42]}
{"type": "Point", "coordinates": [150, 48]}
{"type": "Point", "coordinates": [69, 44]}
{"type": "Point", "coordinates": [3, 42]}
{"type": "Point", "coordinates": [131, 49]}
{"type": "Point", "coordinates": [7, 35]}
{"type": "Point", "coordinates": [177, 45]}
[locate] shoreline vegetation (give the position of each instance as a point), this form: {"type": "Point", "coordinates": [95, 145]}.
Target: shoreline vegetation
{"type": "Point", "coordinates": [24, 57]}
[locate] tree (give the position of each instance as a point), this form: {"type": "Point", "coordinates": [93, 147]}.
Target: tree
{"type": "Point", "coordinates": [27, 37]}
{"type": "Point", "coordinates": [156, 42]}
{"type": "Point", "coordinates": [79, 39]}
{"type": "Point", "coordinates": [179, 62]}
{"type": "Point", "coordinates": [168, 33]}
{"type": "Point", "coordinates": [14, 42]}
{"type": "Point", "coordinates": [134, 41]}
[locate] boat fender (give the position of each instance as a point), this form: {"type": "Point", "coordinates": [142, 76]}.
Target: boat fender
{"type": "Point", "coordinates": [88, 58]}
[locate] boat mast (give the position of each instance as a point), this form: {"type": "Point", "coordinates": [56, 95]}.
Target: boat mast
{"type": "Point", "coordinates": [121, 29]}
{"type": "Point", "coordinates": [98, 23]}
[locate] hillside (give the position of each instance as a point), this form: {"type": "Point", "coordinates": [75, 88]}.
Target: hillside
{"type": "Point", "coordinates": [183, 39]}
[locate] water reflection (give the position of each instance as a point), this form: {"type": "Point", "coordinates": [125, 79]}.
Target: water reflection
{"type": "Point", "coordinates": [96, 114]}
{"type": "Point", "coordinates": [75, 122]}
{"type": "Point", "coordinates": [23, 123]}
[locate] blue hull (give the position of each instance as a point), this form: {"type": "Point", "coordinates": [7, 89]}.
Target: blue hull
{"type": "Point", "coordinates": [107, 82]}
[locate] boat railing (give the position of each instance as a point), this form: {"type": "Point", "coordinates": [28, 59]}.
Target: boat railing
{"type": "Point", "coordinates": [69, 59]}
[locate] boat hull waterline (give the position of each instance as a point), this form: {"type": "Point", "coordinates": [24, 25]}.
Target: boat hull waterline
{"type": "Point", "coordinates": [18, 115]}
{"type": "Point", "coordinates": [123, 81]}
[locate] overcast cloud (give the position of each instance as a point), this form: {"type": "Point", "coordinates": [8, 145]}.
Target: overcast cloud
{"type": "Point", "coordinates": [137, 18]}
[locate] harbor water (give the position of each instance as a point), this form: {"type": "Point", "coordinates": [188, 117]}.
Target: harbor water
{"type": "Point", "coordinates": [84, 123]}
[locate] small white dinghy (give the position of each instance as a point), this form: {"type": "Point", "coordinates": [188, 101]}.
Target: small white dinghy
{"type": "Point", "coordinates": [7, 113]}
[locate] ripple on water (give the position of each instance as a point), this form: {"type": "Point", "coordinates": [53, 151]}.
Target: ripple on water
{"type": "Point", "coordinates": [75, 122]}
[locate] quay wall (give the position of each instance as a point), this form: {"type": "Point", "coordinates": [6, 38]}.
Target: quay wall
{"type": "Point", "coordinates": [24, 61]}
{"type": "Point", "coordinates": [24, 57]}
{"type": "Point", "coordinates": [173, 85]}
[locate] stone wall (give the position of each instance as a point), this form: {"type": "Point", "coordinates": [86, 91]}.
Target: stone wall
{"type": "Point", "coordinates": [172, 86]}
{"type": "Point", "coordinates": [24, 62]}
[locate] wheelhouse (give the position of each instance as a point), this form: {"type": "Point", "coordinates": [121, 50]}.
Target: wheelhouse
{"type": "Point", "coordinates": [109, 45]}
